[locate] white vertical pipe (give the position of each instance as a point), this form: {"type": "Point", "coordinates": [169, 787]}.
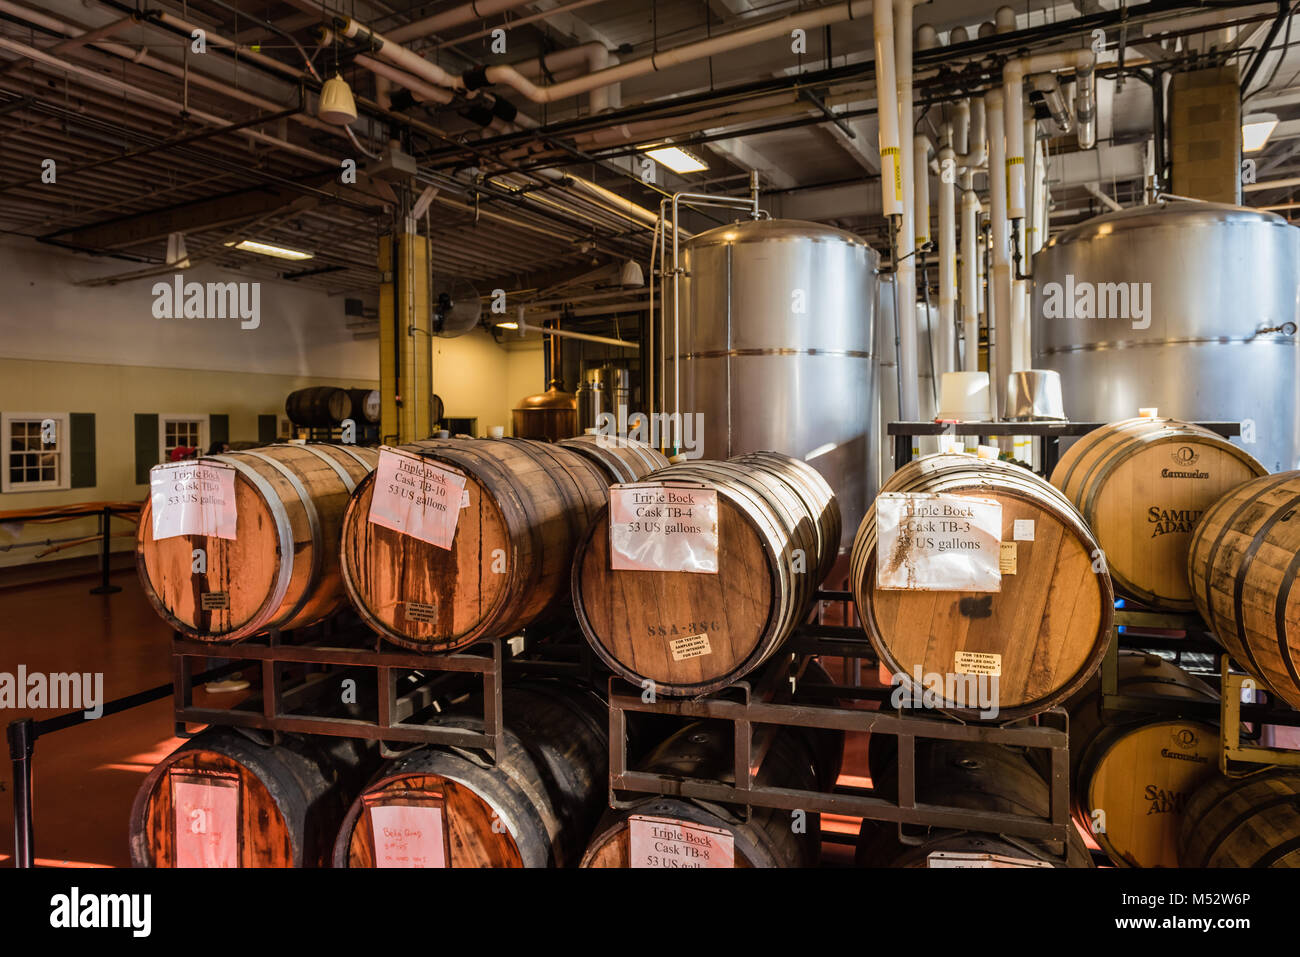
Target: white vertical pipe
{"type": "Point", "coordinates": [905, 269]}
{"type": "Point", "coordinates": [1000, 279]}
{"type": "Point", "coordinates": [921, 185]}
{"type": "Point", "coordinates": [947, 346]}
{"type": "Point", "coordinates": [1013, 99]}
{"type": "Point", "coordinates": [891, 174]}
{"type": "Point", "coordinates": [970, 272]}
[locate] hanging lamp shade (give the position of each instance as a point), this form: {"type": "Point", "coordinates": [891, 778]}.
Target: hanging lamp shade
{"type": "Point", "coordinates": [336, 103]}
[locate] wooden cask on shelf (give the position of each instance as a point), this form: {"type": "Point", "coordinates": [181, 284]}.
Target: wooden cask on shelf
{"type": "Point", "coordinates": [320, 407]}
{"type": "Point", "coordinates": [974, 777]}
{"type": "Point", "coordinates": [1142, 485]}
{"type": "Point", "coordinates": [777, 536]}
{"type": "Point", "coordinates": [1131, 776]}
{"type": "Point", "coordinates": [681, 833]}
{"type": "Point", "coordinates": [527, 504]}
{"type": "Point", "coordinates": [1243, 822]}
{"type": "Point", "coordinates": [225, 800]}
{"type": "Point", "coordinates": [282, 568]}
{"type": "Point", "coordinates": [622, 460]}
{"type": "Point", "coordinates": [1042, 635]}
{"type": "Point", "coordinates": [533, 807]}
{"type": "Point", "coordinates": [1242, 564]}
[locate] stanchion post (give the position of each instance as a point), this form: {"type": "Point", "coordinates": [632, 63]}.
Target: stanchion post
{"type": "Point", "coordinates": [105, 519]}
{"type": "Point", "coordinates": [22, 744]}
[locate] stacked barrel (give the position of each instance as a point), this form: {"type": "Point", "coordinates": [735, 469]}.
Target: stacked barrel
{"type": "Point", "coordinates": [721, 563]}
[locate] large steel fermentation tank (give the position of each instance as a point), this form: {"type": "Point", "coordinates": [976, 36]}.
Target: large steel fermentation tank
{"type": "Point", "coordinates": [777, 333]}
{"type": "Point", "coordinates": [1224, 300]}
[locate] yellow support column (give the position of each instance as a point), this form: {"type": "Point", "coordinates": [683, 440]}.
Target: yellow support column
{"type": "Point", "coordinates": [405, 334]}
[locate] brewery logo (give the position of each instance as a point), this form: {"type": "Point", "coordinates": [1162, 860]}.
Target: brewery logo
{"type": "Point", "coordinates": [1166, 520]}
{"type": "Point", "coordinates": [1185, 457]}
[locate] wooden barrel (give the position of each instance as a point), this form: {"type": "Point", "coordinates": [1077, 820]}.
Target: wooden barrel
{"type": "Point", "coordinates": [533, 807]}
{"type": "Point", "coordinates": [282, 568]}
{"type": "Point", "coordinates": [509, 562]}
{"type": "Point", "coordinates": [225, 800]}
{"type": "Point", "coordinates": [1042, 635]}
{"type": "Point", "coordinates": [1242, 564]}
{"type": "Point", "coordinates": [364, 405]}
{"type": "Point", "coordinates": [1243, 822]}
{"type": "Point", "coordinates": [1130, 777]}
{"type": "Point", "coordinates": [622, 460]}
{"type": "Point", "coordinates": [778, 531]}
{"type": "Point", "coordinates": [320, 407]}
{"type": "Point", "coordinates": [686, 833]}
{"type": "Point", "coordinates": [1142, 485]}
{"type": "Point", "coordinates": [974, 777]}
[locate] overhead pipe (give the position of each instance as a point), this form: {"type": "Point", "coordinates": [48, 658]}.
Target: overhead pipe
{"type": "Point", "coordinates": [921, 186]}
{"type": "Point", "coordinates": [586, 58]}
{"type": "Point", "coordinates": [688, 53]}
{"type": "Point", "coordinates": [455, 17]}
{"type": "Point", "coordinates": [909, 402]}
{"type": "Point", "coordinates": [977, 148]}
{"type": "Point", "coordinates": [422, 91]}
{"type": "Point", "coordinates": [891, 172]}
{"type": "Point", "coordinates": [999, 320]}
{"type": "Point", "coordinates": [1050, 88]}
{"type": "Point", "coordinates": [386, 48]}
{"type": "Point", "coordinates": [970, 271]}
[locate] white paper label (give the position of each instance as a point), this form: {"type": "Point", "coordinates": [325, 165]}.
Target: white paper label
{"type": "Point", "coordinates": [977, 663]}
{"type": "Point", "coordinates": [929, 542]}
{"type": "Point", "coordinates": [663, 527]}
{"type": "Point", "coordinates": [953, 859]}
{"type": "Point", "coordinates": [1022, 530]}
{"type": "Point", "coordinates": [692, 646]}
{"type": "Point", "coordinates": [464, 498]}
{"type": "Point", "coordinates": [664, 843]}
{"type": "Point", "coordinates": [407, 836]}
{"type": "Point", "coordinates": [207, 821]}
{"type": "Point", "coordinates": [416, 497]}
{"type": "Point", "coordinates": [192, 498]}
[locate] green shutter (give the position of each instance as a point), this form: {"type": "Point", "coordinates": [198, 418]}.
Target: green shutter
{"type": "Point", "coordinates": [218, 430]}
{"type": "Point", "coordinates": [146, 446]}
{"type": "Point", "coordinates": [81, 455]}
{"type": "Point", "coordinates": [268, 429]}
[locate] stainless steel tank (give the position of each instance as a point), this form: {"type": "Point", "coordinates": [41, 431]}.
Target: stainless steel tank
{"type": "Point", "coordinates": [1194, 312]}
{"type": "Point", "coordinates": [777, 339]}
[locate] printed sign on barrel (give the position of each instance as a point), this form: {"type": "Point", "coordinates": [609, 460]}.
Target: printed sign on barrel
{"type": "Point", "coordinates": [416, 497]}
{"type": "Point", "coordinates": [663, 527]}
{"type": "Point", "coordinates": [192, 498]}
{"type": "Point", "coordinates": [935, 542]}
{"type": "Point", "coordinates": [661, 842]}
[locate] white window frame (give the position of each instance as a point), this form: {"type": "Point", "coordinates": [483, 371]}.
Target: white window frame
{"type": "Point", "coordinates": [164, 419]}
{"type": "Point", "coordinates": [64, 450]}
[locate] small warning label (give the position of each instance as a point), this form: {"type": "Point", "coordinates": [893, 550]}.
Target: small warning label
{"type": "Point", "coordinates": [977, 663]}
{"type": "Point", "coordinates": [420, 611]}
{"type": "Point", "coordinates": [215, 601]}
{"type": "Point", "coordinates": [692, 646]}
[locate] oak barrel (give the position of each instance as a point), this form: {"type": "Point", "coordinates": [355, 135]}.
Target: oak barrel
{"type": "Point", "coordinates": [778, 528]}
{"type": "Point", "coordinates": [225, 799]}
{"type": "Point", "coordinates": [971, 776]}
{"type": "Point", "coordinates": [1142, 485]}
{"type": "Point", "coordinates": [282, 568]}
{"type": "Point", "coordinates": [1130, 776]}
{"type": "Point", "coordinates": [622, 460]}
{"type": "Point", "coordinates": [1042, 635]}
{"type": "Point", "coordinates": [685, 833]}
{"type": "Point", "coordinates": [1243, 822]}
{"type": "Point", "coordinates": [509, 562]}
{"type": "Point", "coordinates": [320, 407]}
{"type": "Point", "coordinates": [1242, 564]}
{"type": "Point", "coordinates": [533, 807]}
{"type": "Point", "coordinates": [365, 405]}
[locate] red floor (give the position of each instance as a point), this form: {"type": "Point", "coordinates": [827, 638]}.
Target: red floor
{"type": "Point", "coordinates": [86, 776]}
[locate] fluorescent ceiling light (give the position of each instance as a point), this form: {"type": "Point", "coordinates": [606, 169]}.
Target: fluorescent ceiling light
{"type": "Point", "coordinates": [266, 249]}
{"type": "Point", "coordinates": [1255, 131]}
{"type": "Point", "coordinates": [677, 159]}
{"type": "Point", "coordinates": [507, 325]}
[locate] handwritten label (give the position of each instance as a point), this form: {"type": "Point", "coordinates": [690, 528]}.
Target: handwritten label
{"type": "Point", "coordinates": [663, 527]}
{"type": "Point", "coordinates": [929, 542]}
{"type": "Point", "coordinates": [192, 498]}
{"type": "Point", "coordinates": [692, 646]}
{"type": "Point", "coordinates": [977, 663]}
{"type": "Point", "coordinates": [1007, 558]}
{"type": "Point", "coordinates": [1022, 530]}
{"type": "Point", "coordinates": [408, 836]}
{"type": "Point", "coordinates": [962, 859]}
{"type": "Point", "coordinates": [416, 497]}
{"type": "Point", "coordinates": [664, 843]}
{"type": "Point", "coordinates": [214, 601]}
{"type": "Point", "coordinates": [207, 821]}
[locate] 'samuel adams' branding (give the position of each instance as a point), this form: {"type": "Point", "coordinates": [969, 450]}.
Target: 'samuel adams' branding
{"type": "Point", "coordinates": [1180, 520]}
